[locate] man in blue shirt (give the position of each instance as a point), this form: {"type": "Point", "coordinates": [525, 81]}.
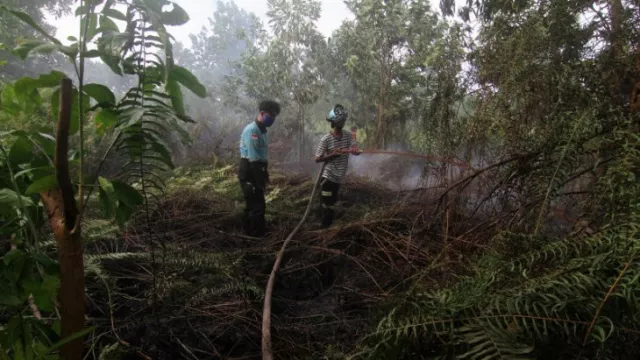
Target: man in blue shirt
{"type": "Point", "coordinates": [252, 172]}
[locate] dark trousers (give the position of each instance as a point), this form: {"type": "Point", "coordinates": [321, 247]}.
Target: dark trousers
{"type": "Point", "coordinates": [253, 177]}
{"type": "Point", "coordinates": [329, 195]}
{"type": "Point", "coordinates": [253, 218]}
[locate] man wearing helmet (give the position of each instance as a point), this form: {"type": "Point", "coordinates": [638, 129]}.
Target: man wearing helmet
{"type": "Point", "coordinates": [252, 172]}
{"type": "Point", "coordinates": [334, 149]}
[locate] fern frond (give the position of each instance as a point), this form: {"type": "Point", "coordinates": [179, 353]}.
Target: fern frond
{"type": "Point", "coordinates": [618, 240]}
{"type": "Point", "coordinates": [489, 342]}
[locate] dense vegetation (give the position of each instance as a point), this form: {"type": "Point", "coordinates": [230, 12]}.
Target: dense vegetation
{"type": "Point", "coordinates": [529, 251]}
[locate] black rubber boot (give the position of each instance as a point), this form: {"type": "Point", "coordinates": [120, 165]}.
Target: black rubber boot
{"type": "Point", "coordinates": [327, 218]}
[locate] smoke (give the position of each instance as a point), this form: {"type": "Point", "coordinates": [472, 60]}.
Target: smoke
{"type": "Point", "coordinates": [392, 171]}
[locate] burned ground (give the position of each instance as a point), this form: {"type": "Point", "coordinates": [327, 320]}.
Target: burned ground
{"type": "Point", "coordinates": [192, 286]}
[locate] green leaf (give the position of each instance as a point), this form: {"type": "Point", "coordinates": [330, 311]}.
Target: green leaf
{"type": "Point", "coordinates": [42, 184]}
{"type": "Point", "coordinates": [106, 206]}
{"type": "Point", "coordinates": [77, 335]}
{"type": "Point", "coordinates": [123, 213]}
{"type": "Point", "coordinates": [41, 171]}
{"type": "Point", "coordinates": [25, 46]}
{"type": "Point", "coordinates": [23, 172]}
{"type": "Point", "coordinates": [127, 194]}
{"type": "Point", "coordinates": [49, 265]}
{"type": "Point", "coordinates": [9, 198]}
{"type": "Point", "coordinates": [113, 13]}
{"type": "Point", "coordinates": [12, 256]}
{"type": "Point", "coordinates": [107, 197]}
{"type": "Point", "coordinates": [18, 349]}
{"type": "Point", "coordinates": [91, 27]}
{"type": "Point", "coordinates": [47, 143]}
{"type": "Point", "coordinates": [107, 24]}
{"type": "Point", "coordinates": [9, 299]}
{"type": "Point", "coordinates": [15, 260]}
{"type": "Point", "coordinates": [82, 10]}
{"type": "Point", "coordinates": [21, 151]}
{"type": "Point", "coordinates": [106, 185]}
{"type": "Point", "coordinates": [113, 62]}
{"type": "Point", "coordinates": [44, 333]}
{"type": "Point", "coordinates": [177, 16]}
{"type": "Point", "coordinates": [135, 118]}
{"type": "Point", "coordinates": [43, 301]}
{"type": "Point", "coordinates": [100, 93]}
{"type": "Point", "coordinates": [57, 327]}
{"type": "Point", "coordinates": [46, 48]}
{"type": "Point", "coordinates": [188, 80]}
{"type": "Point", "coordinates": [8, 101]}
{"type": "Point", "coordinates": [164, 153]}
{"type": "Point", "coordinates": [48, 290]}
{"type": "Point", "coordinates": [71, 50]}
{"type": "Point", "coordinates": [105, 120]}
{"type": "Point", "coordinates": [29, 21]}
{"type": "Point", "coordinates": [26, 85]}
{"type": "Point", "coordinates": [112, 43]}
{"type": "Point", "coordinates": [28, 341]}
{"type": "Point", "coordinates": [177, 100]}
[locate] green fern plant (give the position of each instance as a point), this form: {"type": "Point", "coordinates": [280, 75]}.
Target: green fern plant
{"type": "Point", "coordinates": [141, 123]}
{"type": "Point", "coordinates": [576, 297]}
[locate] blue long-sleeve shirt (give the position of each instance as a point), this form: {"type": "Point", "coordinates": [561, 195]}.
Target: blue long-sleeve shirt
{"type": "Point", "coordinates": [253, 143]}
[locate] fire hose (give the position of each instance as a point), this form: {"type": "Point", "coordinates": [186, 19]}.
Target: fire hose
{"type": "Point", "coordinates": [267, 353]}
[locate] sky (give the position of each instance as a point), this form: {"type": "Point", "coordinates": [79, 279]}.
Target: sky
{"type": "Point", "coordinates": [333, 13]}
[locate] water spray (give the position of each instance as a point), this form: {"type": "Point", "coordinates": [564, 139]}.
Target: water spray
{"type": "Point", "coordinates": [462, 164]}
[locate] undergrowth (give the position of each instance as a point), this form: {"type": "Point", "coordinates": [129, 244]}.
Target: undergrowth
{"type": "Point", "coordinates": [378, 285]}
{"type": "Point", "coordinates": [531, 297]}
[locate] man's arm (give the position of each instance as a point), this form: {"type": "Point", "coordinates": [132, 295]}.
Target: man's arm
{"type": "Point", "coordinates": [252, 138]}
{"type": "Point", "coordinates": [327, 157]}
{"type": "Point", "coordinates": [321, 152]}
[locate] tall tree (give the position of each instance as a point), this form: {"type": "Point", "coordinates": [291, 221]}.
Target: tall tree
{"type": "Point", "coordinates": [301, 47]}
{"type": "Point", "coordinates": [288, 66]}
{"type": "Point", "coordinates": [13, 31]}
{"type": "Point", "coordinates": [377, 47]}
{"type": "Point", "coordinates": [215, 49]}
{"type": "Point", "coordinates": [214, 56]}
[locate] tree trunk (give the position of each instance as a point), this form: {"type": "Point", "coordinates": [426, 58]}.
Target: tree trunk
{"type": "Point", "coordinates": [381, 124]}
{"type": "Point", "coordinates": [301, 152]}
{"type": "Point", "coordinates": [615, 14]}
{"type": "Point", "coordinates": [616, 51]}
{"type": "Point", "coordinates": [63, 217]}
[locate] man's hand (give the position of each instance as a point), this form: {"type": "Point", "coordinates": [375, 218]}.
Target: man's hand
{"type": "Point", "coordinates": [330, 156]}
{"type": "Point", "coordinates": [337, 152]}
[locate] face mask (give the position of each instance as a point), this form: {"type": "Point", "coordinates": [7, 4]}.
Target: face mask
{"type": "Point", "coordinates": [339, 124]}
{"type": "Point", "coordinates": [268, 120]}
